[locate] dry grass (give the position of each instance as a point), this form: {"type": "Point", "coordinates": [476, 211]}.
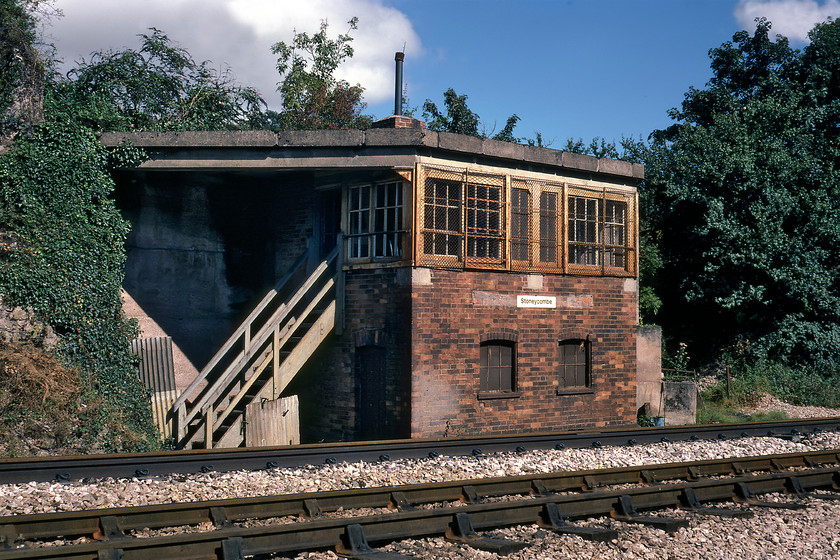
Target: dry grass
{"type": "Point", "coordinates": [45, 407]}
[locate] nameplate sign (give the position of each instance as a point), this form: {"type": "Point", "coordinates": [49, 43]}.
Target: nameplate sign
{"type": "Point", "coordinates": [547, 302]}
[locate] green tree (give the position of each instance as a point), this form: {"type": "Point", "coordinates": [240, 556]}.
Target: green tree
{"type": "Point", "coordinates": [650, 257]}
{"type": "Point", "coordinates": [597, 147]}
{"type": "Point", "coordinates": [458, 118]}
{"type": "Point", "coordinates": [158, 87]}
{"type": "Point", "coordinates": [313, 98]}
{"type": "Point", "coordinates": [63, 251]}
{"type": "Point", "coordinates": [744, 194]}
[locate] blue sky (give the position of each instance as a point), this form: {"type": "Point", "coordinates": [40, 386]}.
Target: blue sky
{"type": "Point", "coordinates": [568, 68]}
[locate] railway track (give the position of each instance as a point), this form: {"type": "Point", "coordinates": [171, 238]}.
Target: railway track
{"type": "Point", "coordinates": [43, 469]}
{"type": "Point", "coordinates": [423, 510]}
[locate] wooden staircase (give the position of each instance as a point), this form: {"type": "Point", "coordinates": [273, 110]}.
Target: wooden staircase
{"type": "Point", "coordinates": [262, 356]}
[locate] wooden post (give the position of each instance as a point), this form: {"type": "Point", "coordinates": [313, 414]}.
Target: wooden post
{"type": "Point", "coordinates": [208, 427]}
{"type": "Point", "coordinates": [728, 382]}
{"type": "Point", "coordinates": [339, 287]}
{"type": "Point", "coordinates": [180, 428]}
{"type": "Point", "coordinates": [276, 360]}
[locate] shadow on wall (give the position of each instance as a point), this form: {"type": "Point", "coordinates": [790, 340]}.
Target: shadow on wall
{"type": "Point", "coordinates": [185, 371]}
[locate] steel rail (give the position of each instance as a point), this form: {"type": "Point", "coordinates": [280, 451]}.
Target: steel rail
{"type": "Point", "coordinates": [235, 543]}
{"type": "Point", "coordinates": [117, 521]}
{"type": "Point", "coordinates": [42, 469]}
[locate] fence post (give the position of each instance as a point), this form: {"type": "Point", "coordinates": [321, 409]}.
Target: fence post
{"type": "Point", "coordinates": [728, 382]}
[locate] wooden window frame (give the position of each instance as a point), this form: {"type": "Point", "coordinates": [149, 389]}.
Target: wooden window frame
{"type": "Point", "coordinates": [497, 380]}
{"type": "Point", "coordinates": [480, 208]}
{"type": "Point", "coordinates": [372, 235]}
{"type": "Point", "coordinates": [563, 366]}
{"type": "Point", "coordinates": [601, 198]}
{"type": "Point", "coordinates": [548, 240]}
{"type": "Point", "coordinates": [451, 204]}
{"type": "Point", "coordinates": [520, 245]}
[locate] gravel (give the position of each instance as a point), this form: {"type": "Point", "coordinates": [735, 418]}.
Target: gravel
{"type": "Point", "coordinates": [769, 403]}
{"type": "Point", "coordinates": [811, 533]}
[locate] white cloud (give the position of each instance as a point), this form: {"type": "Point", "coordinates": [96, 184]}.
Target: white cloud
{"type": "Point", "coordinates": [239, 34]}
{"type": "Point", "coordinates": [791, 18]}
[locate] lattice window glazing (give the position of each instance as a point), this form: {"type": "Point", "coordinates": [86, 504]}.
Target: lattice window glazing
{"type": "Point", "coordinates": [442, 218]}
{"type": "Point", "coordinates": [583, 230]}
{"type": "Point", "coordinates": [481, 220]}
{"type": "Point", "coordinates": [549, 230]}
{"type": "Point", "coordinates": [485, 222]}
{"type": "Point", "coordinates": [520, 224]}
{"type": "Point", "coordinates": [615, 233]}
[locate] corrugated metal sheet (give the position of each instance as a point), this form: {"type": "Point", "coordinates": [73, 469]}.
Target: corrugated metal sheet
{"type": "Point", "coordinates": [157, 371]}
{"type": "Point", "coordinates": [274, 422]}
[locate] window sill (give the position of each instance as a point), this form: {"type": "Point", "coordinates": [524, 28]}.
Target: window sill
{"type": "Point", "coordinates": [575, 391]}
{"type": "Point", "coordinates": [487, 395]}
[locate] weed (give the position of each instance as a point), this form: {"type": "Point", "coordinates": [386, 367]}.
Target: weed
{"type": "Point", "coordinates": [46, 407]}
{"type": "Point", "coordinates": [749, 381]}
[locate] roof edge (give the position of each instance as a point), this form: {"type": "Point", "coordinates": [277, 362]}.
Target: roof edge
{"type": "Point", "coordinates": [375, 137]}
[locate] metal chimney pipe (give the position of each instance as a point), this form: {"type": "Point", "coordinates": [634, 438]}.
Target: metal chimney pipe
{"type": "Point", "coordinates": [399, 57]}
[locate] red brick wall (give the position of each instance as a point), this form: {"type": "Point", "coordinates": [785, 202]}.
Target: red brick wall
{"type": "Point", "coordinates": [431, 323]}
{"type": "Point", "coordinates": [376, 313]}
{"type": "Point", "coordinates": [453, 311]}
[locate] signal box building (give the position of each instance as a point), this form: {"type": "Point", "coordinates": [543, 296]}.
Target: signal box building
{"type": "Point", "coordinates": [387, 283]}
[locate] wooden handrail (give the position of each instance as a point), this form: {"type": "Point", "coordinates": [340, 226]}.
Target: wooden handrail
{"type": "Point", "coordinates": [242, 329]}
{"type": "Point", "coordinates": [306, 312]}
{"type": "Point", "coordinates": [262, 336]}
{"type": "Point", "coordinates": [252, 341]}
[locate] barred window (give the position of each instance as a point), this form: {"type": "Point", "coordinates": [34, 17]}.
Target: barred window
{"type": "Point", "coordinates": [598, 232]}
{"type": "Point", "coordinates": [375, 214]}
{"type": "Point", "coordinates": [497, 366]}
{"type": "Point", "coordinates": [549, 215]}
{"type": "Point", "coordinates": [615, 233]}
{"type": "Point", "coordinates": [574, 364]}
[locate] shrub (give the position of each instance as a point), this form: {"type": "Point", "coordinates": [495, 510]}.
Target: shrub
{"type": "Point", "coordinates": [54, 196]}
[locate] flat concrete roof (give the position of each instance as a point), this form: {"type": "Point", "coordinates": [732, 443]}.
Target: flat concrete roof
{"type": "Point", "coordinates": [376, 147]}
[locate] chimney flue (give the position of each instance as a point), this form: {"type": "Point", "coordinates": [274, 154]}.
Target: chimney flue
{"type": "Point", "coordinates": [399, 57]}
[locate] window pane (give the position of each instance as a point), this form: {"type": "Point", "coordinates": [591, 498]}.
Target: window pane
{"type": "Point", "coordinates": [583, 231]}
{"type": "Point", "coordinates": [359, 222]}
{"type": "Point", "coordinates": [387, 220]}
{"type": "Point", "coordinates": [615, 232]}
{"type": "Point", "coordinates": [574, 363]}
{"type": "Point", "coordinates": [497, 366]}
{"type": "Point", "coordinates": [442, 217]}
{"type": "Point", "coordinates": [520, 224]}
{"type": "Point", "coordinates": [548, 227]}
{"type": "Point", "coordinates": [485, 232]}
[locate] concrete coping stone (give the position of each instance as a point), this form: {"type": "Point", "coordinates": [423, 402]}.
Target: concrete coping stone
{"type": "Point", "coordinates": [376, 138]}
